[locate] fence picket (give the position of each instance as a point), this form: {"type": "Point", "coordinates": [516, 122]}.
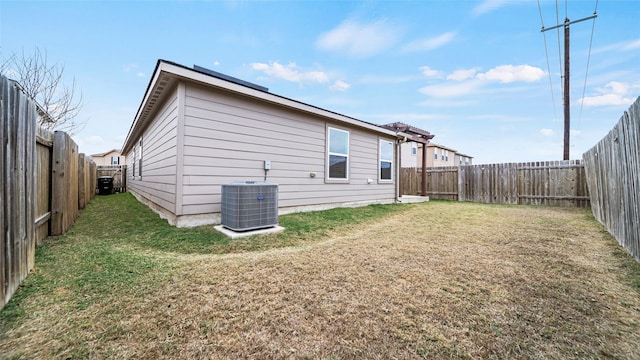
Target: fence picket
{"type": "Point", "coordinates": [611, 168]}
{"type": "Point", "coordinates": [25, 189]}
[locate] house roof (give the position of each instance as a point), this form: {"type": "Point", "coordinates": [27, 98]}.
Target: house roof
{"type": "Point", "coordinates": [105, 153]}
{"type": "Point", "coordinates": [167, 74]}
{"type": "Point", "coordinates": [442, 147]}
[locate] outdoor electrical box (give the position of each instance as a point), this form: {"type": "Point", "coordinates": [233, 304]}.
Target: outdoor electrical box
{"type": "Point", "coordinates": [267, 164]}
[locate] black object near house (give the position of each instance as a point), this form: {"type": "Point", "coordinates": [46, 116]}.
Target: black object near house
{"type": "Point", "coordinates": [105, 185]}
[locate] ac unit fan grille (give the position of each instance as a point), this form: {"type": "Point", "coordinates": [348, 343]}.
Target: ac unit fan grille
{"type": "Point", "coordinates": [249, 205]}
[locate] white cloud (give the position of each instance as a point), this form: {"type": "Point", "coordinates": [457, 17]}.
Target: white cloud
{"type": "Point", "coordinates": [631, 45]}
{"type": "Point", "coordinates": [406, 117]}
{"type": "Point", "coordinates": [614, 93]}
{"type": "Point", "coordinates": [429, 72]}
{"type": "Point", "coordinates": [358, 40]}
{"type": "Point", "coordinates": [129, 67]}
{"type": "Point", "coordinates": [216, 63]}
{"type": "Point", "coordinates": [439, 102]}
{"type": "Point", "coordinates": [379, 79]}
{"type": "Point", "coordinates": [574, 132]}
{"type": "Point", "coordinates": [513, 73]}
{"type": "Point", "coordinates": [462, 74]}
{"type": "Point", "coordinates": [291, 72]}
{"type": "Point", "coordinates": [430, 43]}
{"type": "Point", "coordinates": [547, 132]}
{"type": "Point", "coordinates": [488, 6]}
{"type": "Point", "coordinates": [619, 46]}
{"type": "Point", "coordinates": [340, 85]}
{"type": "Point", "coordinates": [141, 74]}
{"type": "Point", "coordinates": [450, 90]}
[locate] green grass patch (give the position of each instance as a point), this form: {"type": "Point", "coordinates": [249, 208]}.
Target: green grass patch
{"type": "Point", "coordinates": [119, 244]}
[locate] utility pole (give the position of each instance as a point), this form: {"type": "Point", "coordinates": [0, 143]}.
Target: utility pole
{"type": "Point", "coordinates": [566, 93]}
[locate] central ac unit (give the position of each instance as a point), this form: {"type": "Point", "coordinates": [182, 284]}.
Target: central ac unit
{"type": "Point", "coordinates": [249, 205]}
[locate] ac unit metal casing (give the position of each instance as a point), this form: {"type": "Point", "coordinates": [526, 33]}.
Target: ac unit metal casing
{"type": "Point", "coordinates": [249, 205]}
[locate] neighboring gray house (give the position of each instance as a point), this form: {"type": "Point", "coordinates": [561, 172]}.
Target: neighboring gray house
{"type": "Point", "coordinates": [197, 130]}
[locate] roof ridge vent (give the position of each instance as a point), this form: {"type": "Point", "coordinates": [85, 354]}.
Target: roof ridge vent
{"type": "Point", "coordinates": [229, 78]}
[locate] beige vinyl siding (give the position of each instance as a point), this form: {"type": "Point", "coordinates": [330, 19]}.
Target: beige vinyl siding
{"type": "Point", "coordinates": [227, 138]}
{"type": "Point", "coordinates": [158, 181]}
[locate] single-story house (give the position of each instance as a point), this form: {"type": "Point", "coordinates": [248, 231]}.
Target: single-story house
{"type": "Point", "coordinates": [111, 157]}
{"type": "Point", "coordinates": [197, 129]}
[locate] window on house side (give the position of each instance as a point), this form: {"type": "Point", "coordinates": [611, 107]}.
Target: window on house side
{"type": "Point", "coordinates": [414, 149]}
{"type": "Point", "coordinates": [140, 161]}
{"type": "Point", "coordinates": [386, 160]}
{"type": "Point", "coordinates": [115, 160]}
{"type": "Point", "coordinates": [338, 154]}
{"type": "Point", "coordinates": [133, 173]}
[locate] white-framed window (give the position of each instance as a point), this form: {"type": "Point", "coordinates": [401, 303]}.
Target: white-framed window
{"type": "Point", "coordinates": [435, 154]}
{"type": "Point", "coordinates": [446, 155]}
{"type": "Point", "coordinates": [414, 148]}
{"type": "Point", "coordinates": [337, 154]}
{"type": "Point", "coordinates": [115, 160]}
{"type": "Point", "coordinates": [140, 160]}
{"type": "Point", "coordinates": [386, 161]}
{"type": "Point", "coordinates": [133, 172]}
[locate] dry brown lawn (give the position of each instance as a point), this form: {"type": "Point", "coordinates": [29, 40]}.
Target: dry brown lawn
{"type": "Point", "coordinates": [437, 280]}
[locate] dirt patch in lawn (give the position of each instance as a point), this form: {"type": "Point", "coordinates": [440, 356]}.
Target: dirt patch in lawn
{"type": "Point", "coordinates": [438, 280]}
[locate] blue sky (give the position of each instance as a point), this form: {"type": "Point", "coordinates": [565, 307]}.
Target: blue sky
{"type": "Point", "coordinates": [474, 73]}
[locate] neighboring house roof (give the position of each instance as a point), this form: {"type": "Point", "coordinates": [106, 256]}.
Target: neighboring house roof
{"type": "Point", "coordinates": [105, 153]}
{"type": "Point", "coordinates": [167, 74]}
{"type": "Point", "coordinates": [465, 155]}
{"type": "Point", "coordinates": [442, 147]}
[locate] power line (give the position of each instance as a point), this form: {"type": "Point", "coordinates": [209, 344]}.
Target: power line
{"type": "Point", "coordinates": [546, 53]}
{"type": "Point", "coordinates": [586, 74]}
{"type": "Point", "coordinates": [559, 51]}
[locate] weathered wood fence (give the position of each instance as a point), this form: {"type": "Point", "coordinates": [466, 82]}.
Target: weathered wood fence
{"type": "Point", "coordinates": [119, 174]}
{"type": "Point", "coordinates": [557, 183]}
{"type": "Point", "coordinates": [613, 175]}
{"type": "Point", "coordinates": [40, 186]}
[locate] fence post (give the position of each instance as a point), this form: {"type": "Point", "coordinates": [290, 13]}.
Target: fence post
{"type": "Point", "coordinates": [57, 181]}
{"type": "Point", "coordinates": [82, 200]}
{"type": "Point", "coordinates": [64, 188]}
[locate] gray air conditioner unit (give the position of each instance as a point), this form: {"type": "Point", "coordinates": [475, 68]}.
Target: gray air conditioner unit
{"type": "Point", "coordinates": [249, 205]}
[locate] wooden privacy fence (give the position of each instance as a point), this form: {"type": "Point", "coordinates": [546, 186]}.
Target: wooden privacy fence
{"type": "Point", "coordinates": [43, 184]}
{"type": "Point", "coordinates": [613, 175]}
{"type": "Point", "coordinates": [119, 174]}
{"type": "Point", "coordinates": [557, 183]}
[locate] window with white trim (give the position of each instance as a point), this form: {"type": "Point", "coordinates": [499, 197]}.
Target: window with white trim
{"type": "Point", "coordinates": [133, 173]}
{"type": "Point", "coordinates": [386, 160]}
{"type": "Point", "coordinates": [337, 154]}
{"type": "Point", "coordinates": [414, 148]}
{"type": "Point", "coordinates": [115, 160]}
{"type": "Point", "coordinates": [435, 154]}
{"type": "Point", "coordinates": [140, 161]}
